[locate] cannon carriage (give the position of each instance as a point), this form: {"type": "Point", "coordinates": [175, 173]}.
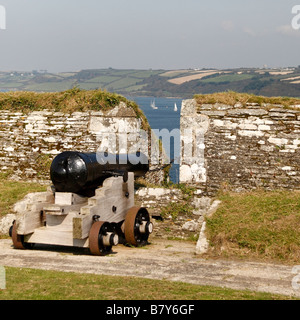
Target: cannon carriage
{"type": "Point", "coordinates": [90, 205]}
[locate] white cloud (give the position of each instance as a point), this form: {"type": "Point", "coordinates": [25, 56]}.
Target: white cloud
{"type": "Point", "coordinates": [250, 32]}
{"type": "Point", "coordinates": [227, 25]}
{"type": "Point", "coordinates": [287, 30]}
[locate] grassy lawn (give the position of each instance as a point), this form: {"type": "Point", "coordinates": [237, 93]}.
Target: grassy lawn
{"type": "Point", "coordinates": [13, 191]}
{"type": "Point", "coordinates": [260, 225]}
{"type": "Point", "coordinates": [32, 284]}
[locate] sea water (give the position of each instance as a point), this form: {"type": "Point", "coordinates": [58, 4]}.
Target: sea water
{"type": "Point", "coordinates": [164, 117]}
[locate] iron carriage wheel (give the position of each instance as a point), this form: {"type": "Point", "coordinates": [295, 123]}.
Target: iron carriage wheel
{"type": "Point", "coordinates": [98, 244]}
{"type": "Point", "coordinates": [137, 226]}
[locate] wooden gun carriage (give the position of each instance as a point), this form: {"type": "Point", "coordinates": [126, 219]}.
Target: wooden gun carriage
{"type": "Point", "coordinates": [90, 205]}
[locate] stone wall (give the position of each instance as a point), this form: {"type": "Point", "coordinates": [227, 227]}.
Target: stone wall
{"type": "Point", "coordinates": [185, 225]}
{"type": "Point", "coordinates": [240, 147]}
{"type": "Point", "coordinates": [29, 142]}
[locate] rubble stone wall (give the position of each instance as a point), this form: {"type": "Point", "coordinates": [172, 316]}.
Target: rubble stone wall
{"type": "Point", "coordinates": [29, 142]}
{"type": "Point", "coordinates": [240, 147]}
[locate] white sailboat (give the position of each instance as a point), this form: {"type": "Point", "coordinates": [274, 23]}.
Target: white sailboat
{"type": "Point", "coordinates": [152, 104]}
{"type": "Point", "coordinates": [175, 107]}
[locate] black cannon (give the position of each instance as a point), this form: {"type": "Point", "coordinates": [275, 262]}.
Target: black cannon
{"type": "Point", "coordinates": [82, 173]}
{"type": "Point", "coordinates": [92, 205]}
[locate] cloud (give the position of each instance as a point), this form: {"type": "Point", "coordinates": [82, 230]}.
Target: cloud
{"type": "Point", "coordinates": [287, 30]}
{"type": "Point", "coordinates": [250, 32]}
{"type": "Point", "coordinates": [263, 32]}
{"type": "Point", "coordinates": [227, 25]}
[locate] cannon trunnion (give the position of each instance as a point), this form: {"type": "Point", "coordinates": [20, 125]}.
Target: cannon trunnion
{"type": "Point", "coordinates": [99, 215]}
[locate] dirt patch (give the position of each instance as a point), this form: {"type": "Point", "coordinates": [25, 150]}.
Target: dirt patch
{"type": "Point", "coordinates": [280, 73]}
{"type": "Point", "coordinates": [197, 76]}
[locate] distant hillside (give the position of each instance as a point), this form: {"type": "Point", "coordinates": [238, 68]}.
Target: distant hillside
{"type": "Point", "coordinates": [160, 83]}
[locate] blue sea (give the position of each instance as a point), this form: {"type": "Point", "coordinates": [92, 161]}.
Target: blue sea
{"type": "Point", "coordinates": [164, 117]}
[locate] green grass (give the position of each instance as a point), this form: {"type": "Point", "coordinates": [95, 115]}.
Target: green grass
{"type": "Point", "coordinates": [260, 225]}
{"type": "Point", "coordinates": [32, 284]}
{"type": "Point", "coordinates": [134, 88]}
{"type": "Point", "coordinates": [123, 83]}
{"type": "Point", "coordinates": [231, 98]}
{"type": "Point", "coordinates": [228, 78]}
{"type": "Point", "coordinates": [175, 209]}
{"type": "Point", "coordinates": [103, 79]}
{"type": "Point", "coordinates": [129, 83]}
{"type": "Point", "coordinates": [70, 100]}
{"type": "Point", "coordinates": [91, 86]}
{"type": "Point", "coordinates": [51, 86]}
{"type": "Point", "coordinates": [11, 85]}
{"type": "Point", "coordinates": [119, 72]}
{"type": "Point", "coordinates": [13, 191]}
{"type": "Point", "coordinates": [142, 74]}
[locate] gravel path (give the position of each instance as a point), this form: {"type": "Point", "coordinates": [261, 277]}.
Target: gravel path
{"type": "Point", "coordinates": [162, 259]}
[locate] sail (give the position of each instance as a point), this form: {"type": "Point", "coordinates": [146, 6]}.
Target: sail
{"type": "Point", "coordinates": [175, 107]}
{"type": "Point", "coordinates": [152, 104]}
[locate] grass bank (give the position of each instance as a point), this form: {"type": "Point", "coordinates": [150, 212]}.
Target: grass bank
{"type": "Point", "coordinates": [257, 225]}
{"type": "Point", "coordinates": [231, 98]}
{"type": "Point", "coordinates": [32, 284]}
{"type": "Point", "coordinates": [13, 191]}
{"type": "Point", "coordinates": [71, 100]}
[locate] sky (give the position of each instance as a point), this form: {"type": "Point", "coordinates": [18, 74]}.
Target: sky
{"type": "Point", "coordinates": [71, 35]}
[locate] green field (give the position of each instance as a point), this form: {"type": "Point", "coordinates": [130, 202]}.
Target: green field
{"type": "Point", "coordinates": [32, 284]}
{"type": "Point", "coordinates": [123, 83]}
{"type": "Point", "coordinates": [51, 86]}
{"type": "Point", "coordinates": [150, 82]}
{"type": "Point", "coordinates": [103, 79]}
{"type": "Point", "coordinates": [228, 78]}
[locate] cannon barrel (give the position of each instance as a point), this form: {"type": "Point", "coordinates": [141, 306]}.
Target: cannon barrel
{"type": "Point", "coordinates": [82, 173]}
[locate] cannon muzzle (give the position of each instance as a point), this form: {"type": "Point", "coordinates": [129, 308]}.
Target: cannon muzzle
{"type": "Point", "coordinates": [82, 173]}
